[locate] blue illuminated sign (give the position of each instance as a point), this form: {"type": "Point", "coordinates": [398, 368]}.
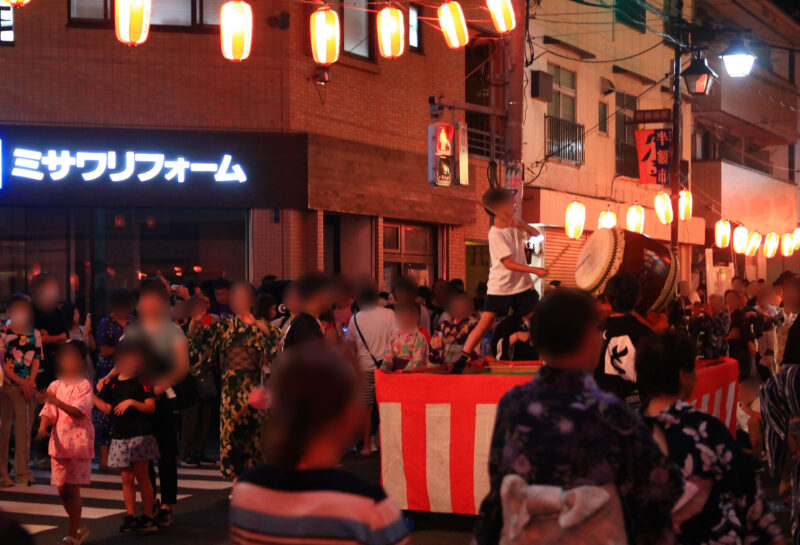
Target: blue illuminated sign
{"type": "Point", "coordinates": [143, 167]}
{"type": "Point", "coordinates": [56, 165]}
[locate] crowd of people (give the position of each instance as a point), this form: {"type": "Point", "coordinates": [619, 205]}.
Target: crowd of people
{"type": "Point", "coordinates": [287, 370]}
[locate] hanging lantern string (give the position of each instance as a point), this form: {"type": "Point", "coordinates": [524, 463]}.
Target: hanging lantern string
{"type": "Point", "coordinates": [381, 4]}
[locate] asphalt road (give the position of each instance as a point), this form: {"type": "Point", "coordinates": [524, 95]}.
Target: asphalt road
{"type": "Point", "coordinates": [202, 510]}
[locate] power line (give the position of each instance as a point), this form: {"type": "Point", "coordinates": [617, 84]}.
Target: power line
{"type": "Point", "coordinates": [601, 61]}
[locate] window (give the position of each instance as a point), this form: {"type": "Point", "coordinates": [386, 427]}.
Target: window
{"type": "Point", "coordinates": [357, 39]}
{"type": "Point", "coordinates": [627, 163]}
{"type": "Point", "coordinates": [414, 30]}
{"type": "Point", "coordinates": [170, 13]}
{"type": "Point", "coordinates": [562, 105]}
{"type": "Point", "coordinates": [631, 13]}
{"type": "Point", "coordinates": [602, 117]}
{"type": "Point", "coordinates": [409, 250]}
{"type": "Point", "coordinates": [6, 24]}
{"type": "Point", "coordinates": [626, 104]}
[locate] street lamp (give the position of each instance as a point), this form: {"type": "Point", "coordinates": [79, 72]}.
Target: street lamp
{"type": "Point", "coordinates": [698, 76]}
{"type": "Point", "coordinates": [738, 59]}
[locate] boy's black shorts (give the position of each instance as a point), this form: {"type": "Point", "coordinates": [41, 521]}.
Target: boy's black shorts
{"type": "Point", "coordinates": [522, 303]}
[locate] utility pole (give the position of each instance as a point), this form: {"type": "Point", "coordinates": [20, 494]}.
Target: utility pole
{"type": "Point", "coordinates": [677, 126]}
{"type": "Point", "coordinates": [514, 50]}
{"type": "Point", "coordinates": [675, 162]}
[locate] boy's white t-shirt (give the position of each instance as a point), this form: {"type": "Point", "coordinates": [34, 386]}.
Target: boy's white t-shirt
{"type": "Point", "coordinates": [507, 242]}
{"type": "Point", "coordinates": [377, 325]}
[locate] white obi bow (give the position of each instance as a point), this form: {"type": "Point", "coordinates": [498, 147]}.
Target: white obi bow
{"type": "Point", "coordinates": [551, 515]}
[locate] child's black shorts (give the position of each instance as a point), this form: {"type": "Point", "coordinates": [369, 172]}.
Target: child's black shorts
{"type": "Point", "coordinates": [523, 303]}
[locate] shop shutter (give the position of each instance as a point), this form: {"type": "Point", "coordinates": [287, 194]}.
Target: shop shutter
{"type": "Point", "coordinates": [561, 255]}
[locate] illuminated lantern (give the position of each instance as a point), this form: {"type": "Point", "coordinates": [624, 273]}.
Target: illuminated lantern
{"type": "Point", "coordinates": [685, 205]}
{"type": "Point", "coordinates": [453, 24]}
{"type": "Point", "coordinates": [236, 30]}
{"type": "Point", "coordinates": [740, 235]}
{"type": "Point", "coordinates": [575, 218]}
{"type": "Point", "coordinates": [391, 33]}
{"type": "Point", "coordinates": [787, 245]}
{"type": "Point", "coordinates": [325, 36]}
{"type": "Point", "coordinates": [132, 21]}
{"type": "Point", "coordinates": [635, 218]}
{"type": "Point", "coordinates": [663, 206]}
{"type": "Point", "coordinates": [722, 233]}
{"type": "Point", "coordinates": [17, 3]}
{"type": "Point", "coordinates": [753, 244]}
{"type": "Point", "coordinates": [503, 15]}
{"type": "Point", "coordinates": [796, 237]}
{"type": "Point", "coordinates": [607, 220]}
{"type": "Point", "coordinates": [771, 244]}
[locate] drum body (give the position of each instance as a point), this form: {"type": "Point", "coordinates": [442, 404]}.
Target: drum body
{"type": "Point", "coordinates": [611, 251]}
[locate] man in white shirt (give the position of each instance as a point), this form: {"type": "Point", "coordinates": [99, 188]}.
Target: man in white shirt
{"type": "Point", "coordinates": [368, 333]}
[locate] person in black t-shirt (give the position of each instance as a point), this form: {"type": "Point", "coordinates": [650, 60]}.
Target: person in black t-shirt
{"type": "Point", "coordinates": [133, 443]}
{"type": "Point", "coordinates": [315, 299]}
{"type": "Point", "coordinates": [48, 320]}
{"type": "Point", "coordinates": [622, 330]}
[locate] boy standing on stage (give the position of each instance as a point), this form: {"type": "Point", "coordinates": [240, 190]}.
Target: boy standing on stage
{"type": "Point", "coordinates": [510, 284]}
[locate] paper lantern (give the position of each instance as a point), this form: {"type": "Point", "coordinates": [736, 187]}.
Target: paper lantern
{"type": "Point", "coordinates": [740, 235]}
{"type": "Point", "coordinates": [722, 233]}
{"type": "Point", "coordinates": [607, 220]}
{"type": "Point", "coordinates": [685, 205]}
{"type": "Point", "coordinates": [503, 16]}
{"type": "Point", "coordinates": [796, 237]}
{"type": "Point", "coordinates": [575, 219]}
{"type": "Point", "coordinates": [236, 30]}
{"type": "Point", "coordinates": [17, 3]}
{"type": "Point", "coordinates": [325, 36]}
{"type": "Point", "coordinates": [771, 243]}
{"type": "Point", "coordinates": [753, 243]}
{"type": "Point", "coordinates": [663, 206]}
{"type": "Point", "coordinates": [453, 24]}
{"type": "Point", "coordinates": [635, 218]}
{"type": "Point", "coordinates": [787, 245]}
{"type": "Point", "coordinates": [391, 33]}
{"type": "Point", "coordinates": [132, 21]}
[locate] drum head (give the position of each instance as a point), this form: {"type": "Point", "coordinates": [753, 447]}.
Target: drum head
{"type": "Point", "coordinates": [599, 259]}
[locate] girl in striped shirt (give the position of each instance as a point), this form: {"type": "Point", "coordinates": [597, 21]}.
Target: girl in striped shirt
{"type": "Point", "coordinates": [301, 497]}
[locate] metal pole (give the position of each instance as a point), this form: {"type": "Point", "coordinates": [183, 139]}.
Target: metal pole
{"type": "Point", "coordinates": [675, 165]}
{"type": "Point", "coordinates": [515, 65]}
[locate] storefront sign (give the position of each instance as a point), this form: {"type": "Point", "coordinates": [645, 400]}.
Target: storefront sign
{"type": "Point", "coordinates": [56, 165]}
{"type": "Point", "coordinates": [6, 24]}
{"type": "Point", "coordinates": [39, 164]}
{"type": "Point", "coordinates": [654, 150]}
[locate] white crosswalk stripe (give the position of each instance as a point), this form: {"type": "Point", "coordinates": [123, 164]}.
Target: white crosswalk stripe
{"type": "Point", "coordinates": [39, 510]}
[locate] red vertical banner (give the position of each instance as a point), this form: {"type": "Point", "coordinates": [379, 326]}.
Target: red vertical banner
{"type": "Point", "coordinates": [654, 153]}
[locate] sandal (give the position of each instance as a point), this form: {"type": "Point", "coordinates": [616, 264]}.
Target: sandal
{"type": "Point", "coordinates": [67, 540]}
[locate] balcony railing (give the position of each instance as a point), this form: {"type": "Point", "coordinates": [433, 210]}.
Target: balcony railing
{"type": "Point", "coordinates": [565, 140]}
{"type": "Point", "coordinates": [479, 143]}
{"type": "Point", "coordinates": [627, 160]}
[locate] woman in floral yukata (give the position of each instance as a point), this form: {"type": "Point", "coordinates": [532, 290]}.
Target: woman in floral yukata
{"type": "Point", "coordinates": [734, 511]}
{"type": "Point", "coordinates": [247, 347]}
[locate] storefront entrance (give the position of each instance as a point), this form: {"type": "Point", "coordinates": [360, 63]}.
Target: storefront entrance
{"type": "Point", "coordinates": [94, 250]}
{"type": "Point", "coordinates": [408, 250]}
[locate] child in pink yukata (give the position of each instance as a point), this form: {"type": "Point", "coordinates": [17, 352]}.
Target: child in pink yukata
{"type": "Point", "coordinates": [68, 409]}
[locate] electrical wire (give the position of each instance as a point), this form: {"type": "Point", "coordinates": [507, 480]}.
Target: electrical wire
{"type": "Point", "coordinates": [600, 61]}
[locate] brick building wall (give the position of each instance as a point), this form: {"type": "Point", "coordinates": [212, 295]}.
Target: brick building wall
{"type": "Point", "coordinates": [67, 75]}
